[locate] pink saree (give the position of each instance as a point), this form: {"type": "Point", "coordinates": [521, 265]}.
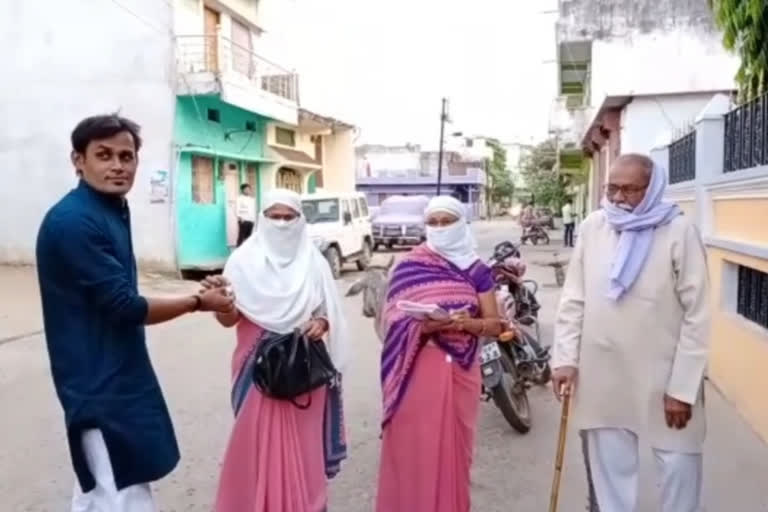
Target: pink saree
{"type": "Point", "coordinates": [431, 390]}
{"type": "Point", "coordinates": [278, 457]}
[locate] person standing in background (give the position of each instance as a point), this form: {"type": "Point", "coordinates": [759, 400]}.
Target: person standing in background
{"type": "Point", "coordinates": [569, 223]}
{"type": "Point", "coordinates": [246, 213]}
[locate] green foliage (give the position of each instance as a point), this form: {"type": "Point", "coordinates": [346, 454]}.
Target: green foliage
{"type": "Point", "coordinates": [745, 32]}
{"type": "Point", "coordinates": [500, 183]}
{"type": "Point", "coordinates": [546, 185]}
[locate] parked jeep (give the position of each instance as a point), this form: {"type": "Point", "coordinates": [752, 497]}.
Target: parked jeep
{"type": "Point", "coordinates": [340, 226]}
{"type": "Point", "coordinates": [400, 221]}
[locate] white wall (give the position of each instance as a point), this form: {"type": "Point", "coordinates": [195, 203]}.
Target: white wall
{"type": "Point", "coordinates": [645, 119]}
{"type": "Point", "coordinates": [394, 160]}
{"type": "Point", "coordinates": [681, 60]}
{"type": "Point", "coordinates": [66, 61]}
{"type": "Point", "coordinates": [339, 161]}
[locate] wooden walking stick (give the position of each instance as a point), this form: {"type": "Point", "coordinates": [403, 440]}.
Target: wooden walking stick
{"type": "Point", "coordinates": [560, 453]}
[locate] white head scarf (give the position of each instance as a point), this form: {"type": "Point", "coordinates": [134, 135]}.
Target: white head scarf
{"type": "Point", "coordinates": [455, 242]}
{"type": "Point", "coordinates": [280, 278]}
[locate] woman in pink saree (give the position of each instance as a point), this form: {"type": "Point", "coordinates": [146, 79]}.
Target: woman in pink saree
{"type": "Point", "coordinates": [281, 454]}
{"type": "Point", "coordinates": [429, 368]}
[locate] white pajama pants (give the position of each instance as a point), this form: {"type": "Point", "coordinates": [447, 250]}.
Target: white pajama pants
{"type": "Point", "coordinates": [105, 497]}
{"type": "Point", "coordinates": [614, 461]}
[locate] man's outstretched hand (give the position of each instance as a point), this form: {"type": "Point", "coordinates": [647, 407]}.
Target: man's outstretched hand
{"type": "Point", "coordinates": [217, 300]}
{"type": "Point", "coordinates": [215, 295]}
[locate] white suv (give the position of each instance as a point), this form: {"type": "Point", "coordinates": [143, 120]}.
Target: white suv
{"type": "Point", "coordinates": [340, 226]}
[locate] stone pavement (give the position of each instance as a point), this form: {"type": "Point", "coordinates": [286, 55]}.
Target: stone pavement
{"type": "Point", "coordinates": [191, 356]}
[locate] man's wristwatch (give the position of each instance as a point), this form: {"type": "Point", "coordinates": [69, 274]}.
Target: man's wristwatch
{"type": "Point", "coordinates": [198, 303]}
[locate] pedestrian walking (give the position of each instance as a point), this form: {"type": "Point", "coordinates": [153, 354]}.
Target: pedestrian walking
{"type": "Point", "coordinates": [280, 455]}
{"type": "Point", "coordinates": [118, 428]}
{"type": "Point", "coordinates": [569, 224]}
{"type": "Point", "coordinates": [429, 368]}
{"type": "Point", "coordinates": [632, 340]}
{"type": "Point", "coordinates": [246, 213]}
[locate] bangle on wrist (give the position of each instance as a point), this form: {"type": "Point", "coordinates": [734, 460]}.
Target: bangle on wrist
{"type": "Point", "coordinates": [482, 327]}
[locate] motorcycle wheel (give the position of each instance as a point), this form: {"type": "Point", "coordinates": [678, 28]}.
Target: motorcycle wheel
{"type": "Point", "coordinates": [514, 406]}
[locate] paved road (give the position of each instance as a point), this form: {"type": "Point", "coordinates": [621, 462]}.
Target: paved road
{"type": "Point", "coordinates": [191, 355]}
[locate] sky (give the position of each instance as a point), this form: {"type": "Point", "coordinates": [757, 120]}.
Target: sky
{"type": "Point", "coordinates": [385, 65]}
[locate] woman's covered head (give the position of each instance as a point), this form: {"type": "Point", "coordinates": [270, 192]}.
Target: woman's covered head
{"type": "Point", "coordinates": [282, 232]}
{"type": "Point", "coordinates": [282, 205]}
{"type": "Point", "coordinates": [448, 232]}
{"type": "Point", "coordinates": [443, 211]}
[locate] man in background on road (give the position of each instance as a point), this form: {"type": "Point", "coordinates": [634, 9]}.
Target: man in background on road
{"type": "Point", "coordinates": [118, 427]}
{"type": "Point", "coordinates": [569, 223]}
{"type": "Point", "coordinates": [246, 213]}
{"type": "Point", "coordinates": [527, 218]}
{"type": "Point", "coordinates": [632, 340]}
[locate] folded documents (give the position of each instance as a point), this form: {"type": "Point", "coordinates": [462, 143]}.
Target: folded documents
{"type": "Point", "coordinates": [422, 311]}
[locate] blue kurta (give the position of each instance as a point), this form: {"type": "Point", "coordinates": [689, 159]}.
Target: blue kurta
{"type": "Point", "coordinates": [94, 326]}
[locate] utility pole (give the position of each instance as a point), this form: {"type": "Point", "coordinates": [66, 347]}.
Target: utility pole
{"type": "Point", "coordinates": [443, 119]}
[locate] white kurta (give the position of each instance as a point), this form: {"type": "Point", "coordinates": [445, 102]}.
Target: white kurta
{"type": "Point", "coordinates": [654, 340]}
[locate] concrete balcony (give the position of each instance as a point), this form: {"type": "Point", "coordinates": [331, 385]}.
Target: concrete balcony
{"type": "Point", "coordinates": [216, 65]}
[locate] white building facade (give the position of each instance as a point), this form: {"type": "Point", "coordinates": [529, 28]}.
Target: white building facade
{"type": "Point", "coordinates": [656, 64]}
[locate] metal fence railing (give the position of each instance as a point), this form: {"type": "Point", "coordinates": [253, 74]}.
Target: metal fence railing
{"type": "Point", "coordinates": [217, 54]}
{"type": "Point", "coordinates": [682, 159]}
{"type": "Point", "coordinates": [746, 135]}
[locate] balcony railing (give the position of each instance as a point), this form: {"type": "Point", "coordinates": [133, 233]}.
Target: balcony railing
{"type": "Point", "coordinates": [746, 135]}
{"type": "Point", "coordinates": [682, 159]}
{"type": "Point", "coordinates": [222, 56]}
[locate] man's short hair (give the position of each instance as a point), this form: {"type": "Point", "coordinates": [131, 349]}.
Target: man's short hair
{"type": "Point", "coordinates": [636, 159]}
{"type": "Point", "coordinates": [244, 187]}
{"type": "Point", "coordinates": [102, 127]}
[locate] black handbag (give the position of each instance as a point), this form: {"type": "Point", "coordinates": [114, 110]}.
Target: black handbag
{"type": "Point", "coordinates": [289, 365]}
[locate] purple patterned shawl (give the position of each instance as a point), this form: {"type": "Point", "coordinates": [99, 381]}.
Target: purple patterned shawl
{"type": "Point", "coordinates": [425, 277]}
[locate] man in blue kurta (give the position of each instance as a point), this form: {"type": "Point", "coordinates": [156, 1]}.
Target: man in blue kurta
{"type": "Point", "coordinates": [118, 427]}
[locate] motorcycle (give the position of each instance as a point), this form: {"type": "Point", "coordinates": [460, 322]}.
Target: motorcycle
{"type": "Point", "coordinates": [535, 233]}
{"type": "Point", "coordinates": [516, 360]}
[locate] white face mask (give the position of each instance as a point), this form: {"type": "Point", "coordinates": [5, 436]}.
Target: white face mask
{"type": "Point", "coordinates": [282, 237]}
{"type": "Point", "coordinates": [454, 243]}
{"type": "Point", "coordinates": [446, 238]}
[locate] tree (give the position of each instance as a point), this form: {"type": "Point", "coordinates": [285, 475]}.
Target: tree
{"type": "Point", "coordinates": [547, 186]}
{"type": "Point", "coordinates": [499, 187]}
{"type": "Point", "coordinates": [745, 32]}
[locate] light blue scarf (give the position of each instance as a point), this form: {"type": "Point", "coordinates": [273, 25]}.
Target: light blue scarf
{"type": "Point", "coordinates": [635, 230]}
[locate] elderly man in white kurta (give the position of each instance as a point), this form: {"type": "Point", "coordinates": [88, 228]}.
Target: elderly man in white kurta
{"type": "Point", "coordinates": [632, 340]}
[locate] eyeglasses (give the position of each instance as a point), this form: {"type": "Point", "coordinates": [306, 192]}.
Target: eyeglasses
{"type": "Point", "coordinates": [626, 190]}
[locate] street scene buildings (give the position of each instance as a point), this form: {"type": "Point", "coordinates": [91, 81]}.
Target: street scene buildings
{"type": "Point", "coordinates": [217, 112]}
{"type": "Point", "coordinates": [384, 171]}
{"type": "Point", "coordinates": [221, 99]}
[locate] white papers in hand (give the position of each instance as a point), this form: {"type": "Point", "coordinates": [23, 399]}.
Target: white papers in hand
{"type": "Point", "coordinates": [422, 311]}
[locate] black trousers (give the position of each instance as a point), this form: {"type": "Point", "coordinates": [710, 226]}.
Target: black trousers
{"type": "Point", "coordinates": [244, 230]}
{"type": "Point", "coordinates": [568, 237]}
